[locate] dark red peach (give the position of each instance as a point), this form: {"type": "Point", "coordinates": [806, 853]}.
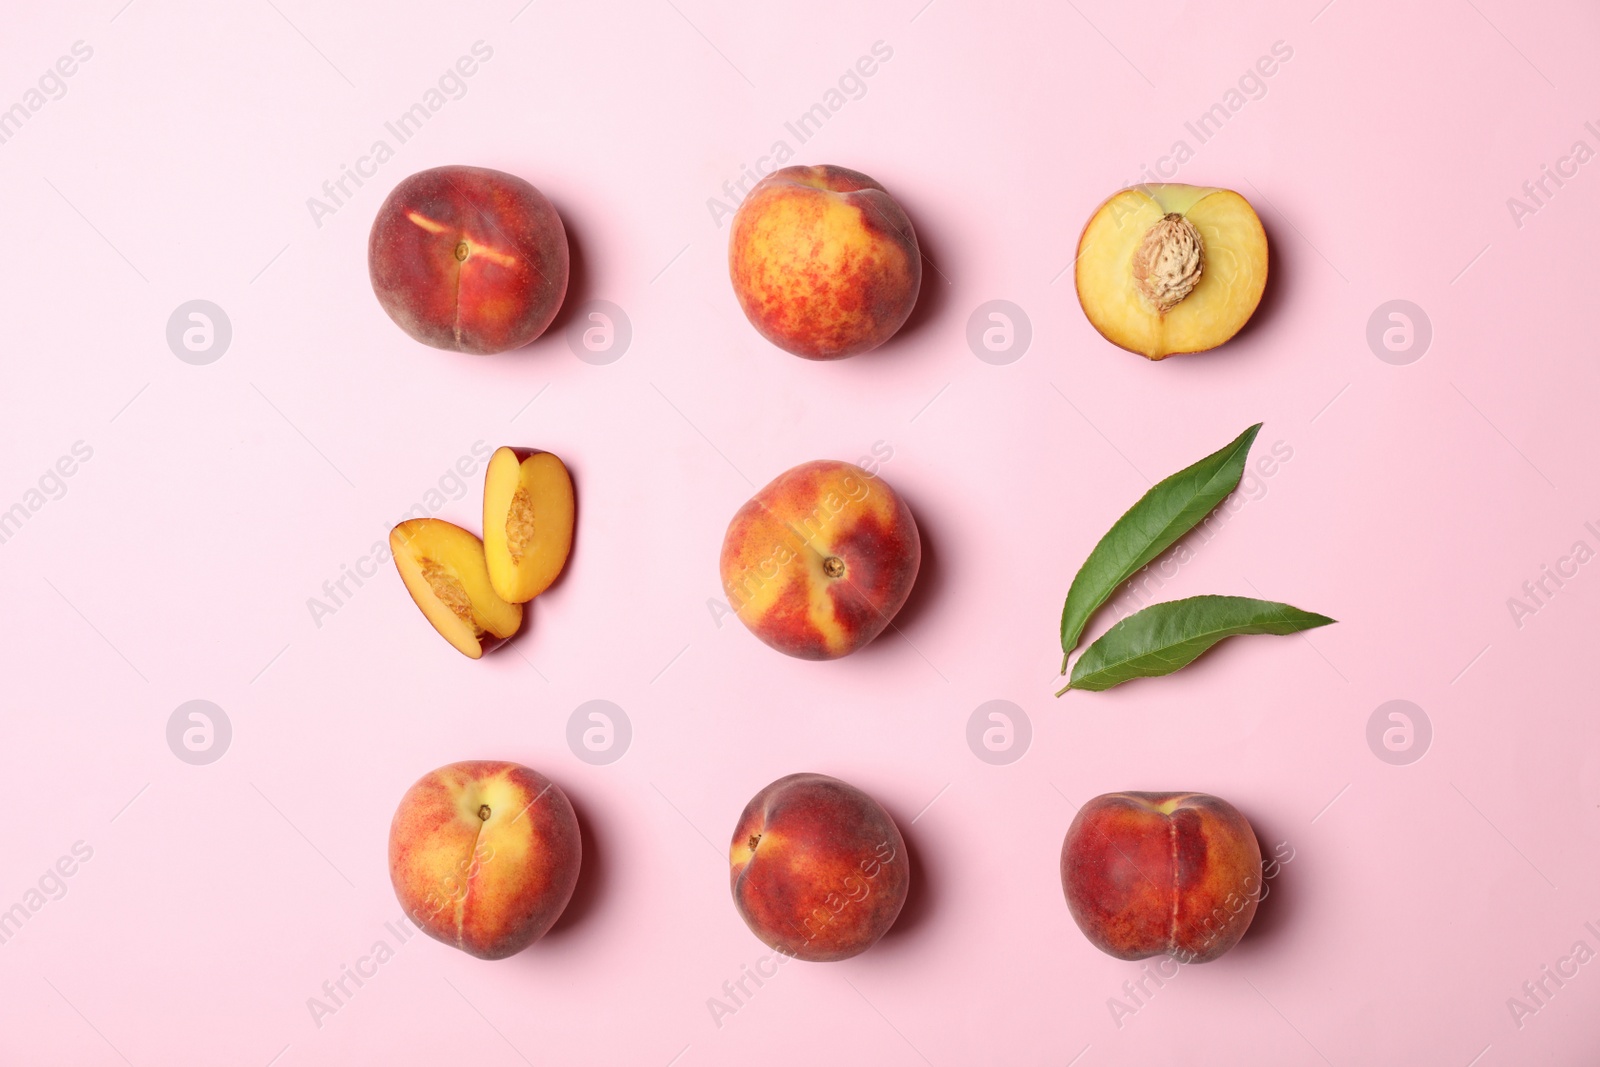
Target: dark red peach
{"type": "Point", "coordinates": [819, 869]}
{"type": "Point", "coordinates": [468, 259]}
{"type": "Point", "coordinates": [1151, 873]}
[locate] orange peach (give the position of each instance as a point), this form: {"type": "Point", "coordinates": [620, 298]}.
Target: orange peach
{"type": "Point", "coordinates": [825, 264]}
{"type": "Point", "coordinates": [468, 259]}
{"type": "Point", "coordinates": [484, 856]}
{"type": "Point", "coordinates": [819, 869]}
{"type": "Point", "coordinates": [1150, 873]}
{"type": "Point", "coordinates": [819, 561]}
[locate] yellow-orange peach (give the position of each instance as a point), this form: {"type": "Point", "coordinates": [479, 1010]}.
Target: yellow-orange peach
{"type": "Point", "coordinates": [468, 259]}
{"type": "Point", "coordinates": [484, 855]}
{"type": "Point", "coordinates": [819, 869]}
{"type": "Point", "coordinates": [819, 561]}
{"type": "Point", "coordinates": [825, 264]}
{"type": "Point", "coordinates": [1151, 873]}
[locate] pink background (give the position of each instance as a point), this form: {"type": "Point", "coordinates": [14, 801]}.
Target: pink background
{"type": "Point", "coordinates": [219, 498]}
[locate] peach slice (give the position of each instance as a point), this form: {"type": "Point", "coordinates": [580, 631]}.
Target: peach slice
{"type": "Point", "coordinates": [527, 521]}
{"type": "Point", "coordinates": [1168, 269]}
{"type": "Point", "coordinates": [445, 572]}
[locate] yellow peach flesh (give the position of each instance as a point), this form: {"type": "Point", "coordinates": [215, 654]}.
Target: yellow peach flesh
{"type": "Point", "coordinates": [1233, 275]}
{"type": "Point", "coordinates": [528, 510]}
{"type": "Point", "coordinates": [445, 572]}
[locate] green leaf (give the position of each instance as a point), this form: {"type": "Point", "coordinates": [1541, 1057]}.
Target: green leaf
{"type": "Point", "coordinates": [1168, 511]}
{"type": "Point", "coordinates": [1163, 637]}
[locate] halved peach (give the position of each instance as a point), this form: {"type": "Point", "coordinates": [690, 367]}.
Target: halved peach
{"type": "Point", "coordinates": [445, 573]}
{"type": "Point", "coordinates": [1168, 269]}
{"type": "Point", "coordinates": [527, 521]}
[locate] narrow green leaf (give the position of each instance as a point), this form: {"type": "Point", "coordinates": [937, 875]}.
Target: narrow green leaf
{"type": "Point", "coordinates": [1163, 637]}
{"type": "Point", "coordinates": [1169, 510]}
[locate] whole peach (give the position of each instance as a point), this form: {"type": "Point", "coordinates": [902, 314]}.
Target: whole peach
{"type": "Point", "coordinates": [468, 259]}
{"type": "Point", "coordinates": [825, 264]}
{"type": "Point", "coordinates": [484, 855]}
{"type": "Point", "coordinates": [818, 562]}
{"type": "Point", "coordinates": [818, 868]}
{"type": "Point", "coordinates": [1150, 873]}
